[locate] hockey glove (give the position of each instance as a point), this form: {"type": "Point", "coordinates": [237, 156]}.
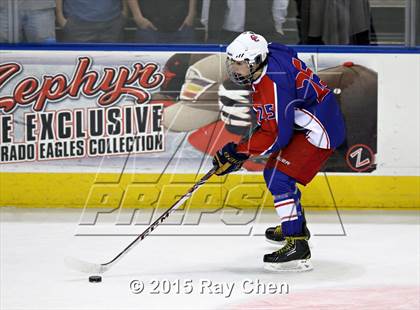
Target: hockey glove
{"type": "Point", "coordinates": [228, 160]}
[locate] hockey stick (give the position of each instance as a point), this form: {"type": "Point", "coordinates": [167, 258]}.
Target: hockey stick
{"type": "Point", "coordinates": [93, 268]}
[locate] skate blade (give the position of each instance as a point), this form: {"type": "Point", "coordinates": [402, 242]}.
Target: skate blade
{"type": "Point", "coordinates": [300, 265]}
{"type": "Point", "coordinates": [283, 243]}
{"type": "Point", "coordinates": [280, 243]}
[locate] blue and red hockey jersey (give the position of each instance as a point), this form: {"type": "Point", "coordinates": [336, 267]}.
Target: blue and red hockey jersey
{"type": "Point", "coordinates": [289, 97]}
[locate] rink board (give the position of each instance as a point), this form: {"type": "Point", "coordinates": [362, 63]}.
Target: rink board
{"type": "Point", "coordinates": [389, 136]}
{"type": "Point", "coordinates": [238, 191]}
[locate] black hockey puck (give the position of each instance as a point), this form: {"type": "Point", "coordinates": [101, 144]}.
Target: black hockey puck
{"type": "Point", "coordinates": [95, 279]}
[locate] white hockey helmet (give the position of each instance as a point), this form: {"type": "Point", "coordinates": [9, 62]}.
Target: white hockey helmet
{"type": "Point", "coordinates": [249, 48]}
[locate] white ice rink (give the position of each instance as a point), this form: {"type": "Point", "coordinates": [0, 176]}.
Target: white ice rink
{"type": "Point", "coordinates": [375, 266]}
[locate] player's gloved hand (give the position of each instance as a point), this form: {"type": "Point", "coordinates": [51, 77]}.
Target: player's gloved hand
{"type": "Point", "coordinates": [228, 160]}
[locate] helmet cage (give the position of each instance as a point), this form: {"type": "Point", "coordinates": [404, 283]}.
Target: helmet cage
{"type": "Point", "coordinates": [253, 66]}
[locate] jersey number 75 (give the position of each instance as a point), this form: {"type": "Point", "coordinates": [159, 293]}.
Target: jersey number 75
{"type": "Point", "coordinates": [306, 74]}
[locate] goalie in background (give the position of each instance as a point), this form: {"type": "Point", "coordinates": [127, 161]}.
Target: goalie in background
{"type": "Point", "coordinates": [300, 124]}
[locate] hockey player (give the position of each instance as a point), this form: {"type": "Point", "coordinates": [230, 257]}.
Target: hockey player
{"type": "Point", "coordinates": [299, 124]}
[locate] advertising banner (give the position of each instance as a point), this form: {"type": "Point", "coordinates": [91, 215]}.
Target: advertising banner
{"type": "Point", "coordinates": [150, 122]}
{"type": "Point", "coordinates": [80, 107]}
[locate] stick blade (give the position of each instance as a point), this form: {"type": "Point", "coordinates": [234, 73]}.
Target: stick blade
{"type": "Point", "coordinates": [83, 266]}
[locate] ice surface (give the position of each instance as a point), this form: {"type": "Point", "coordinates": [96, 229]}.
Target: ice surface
{"type": "Point", "coordinates": [375, 266]}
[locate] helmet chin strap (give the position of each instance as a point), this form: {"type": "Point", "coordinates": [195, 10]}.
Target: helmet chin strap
{"type": "Point", "coordinates": [257, 72]}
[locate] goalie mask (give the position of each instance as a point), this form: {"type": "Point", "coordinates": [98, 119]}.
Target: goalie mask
{"type": "Point", "coordinates": [245, 56]}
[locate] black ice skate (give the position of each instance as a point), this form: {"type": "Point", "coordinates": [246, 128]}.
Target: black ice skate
{"type": "Point", "coordinates": [293, 256]}
{"type": "Point", "coordinates": [275, 234]}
